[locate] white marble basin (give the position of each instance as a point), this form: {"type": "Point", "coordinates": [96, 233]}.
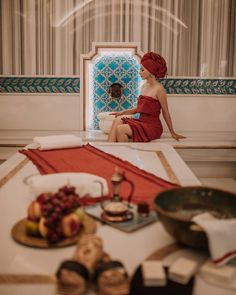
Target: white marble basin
{"type": "Point", "coordinates": [106, 120]}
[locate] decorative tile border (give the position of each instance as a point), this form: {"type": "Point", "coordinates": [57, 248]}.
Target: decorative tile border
{"type": "Point", "coordinates": [200, 86]}
{"type": "Point", "coordinates": [39, 84]}
{"type": "Point", "coordinates": [72, 85]}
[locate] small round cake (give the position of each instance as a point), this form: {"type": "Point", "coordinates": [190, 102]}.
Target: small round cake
{"type": "Point", "coordinates": [115, 208]}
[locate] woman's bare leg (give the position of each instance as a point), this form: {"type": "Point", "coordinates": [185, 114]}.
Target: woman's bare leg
{"type": "Point", "coordinates": [112, 136]}
{"type": "Point", "coordinates": [124, 132]}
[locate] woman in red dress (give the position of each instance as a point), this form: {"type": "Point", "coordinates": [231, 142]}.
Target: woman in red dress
{"type": "Point", "coordinates": [152, 100]}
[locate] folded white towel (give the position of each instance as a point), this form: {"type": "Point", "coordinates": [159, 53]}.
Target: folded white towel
{"type": "Point", "coordinates": [221, 234]}
{"type": "Point", "coordinates": [57, 142]}
{"type": "Point", "coordinates": [84, 183]}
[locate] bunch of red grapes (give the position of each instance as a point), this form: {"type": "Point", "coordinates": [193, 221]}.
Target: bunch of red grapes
{"type": "Point", "coordinates": [55, 207]}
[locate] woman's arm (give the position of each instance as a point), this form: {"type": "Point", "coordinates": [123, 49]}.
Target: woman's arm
{"type": "Point", "coordinates": [162, 97]}
{"type": "Point", "coordinates": [126, 112]}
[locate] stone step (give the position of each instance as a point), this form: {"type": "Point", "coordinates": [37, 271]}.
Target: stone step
{"type": "Point", "coordinates": [228, 184]}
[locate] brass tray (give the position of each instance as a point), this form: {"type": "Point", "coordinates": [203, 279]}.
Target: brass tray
{"type": "Point", "coordinates": [19, 235]}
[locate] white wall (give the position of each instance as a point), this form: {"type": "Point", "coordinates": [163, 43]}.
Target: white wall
{"type": "Point", "coordinates": [39, 112]}
{"type": "Point", "coordinates": [61, 112]}
{"type": "Point", "coordinates": [203, 112]}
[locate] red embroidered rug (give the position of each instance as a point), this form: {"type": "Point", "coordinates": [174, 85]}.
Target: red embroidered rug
{"type": "Point", "coordinates": [92, 160]}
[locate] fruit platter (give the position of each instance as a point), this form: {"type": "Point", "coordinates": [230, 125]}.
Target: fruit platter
{"type": "Point", "coordinates": [54, 220]}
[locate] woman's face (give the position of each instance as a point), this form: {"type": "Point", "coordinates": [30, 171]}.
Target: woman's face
{"type": "Point", "coordinates": [144, 73]}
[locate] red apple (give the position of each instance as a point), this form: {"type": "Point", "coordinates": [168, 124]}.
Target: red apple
{"type": "Point", "coordinates": [43, 230]}
{"type": "Point", "coordinates": [34, 211]}
{"type": "Point", "coordinates": [70, 225]}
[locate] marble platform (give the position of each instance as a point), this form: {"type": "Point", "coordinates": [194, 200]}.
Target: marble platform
{"type": "Point", "coordinates": [13, 138]}
{"type": "Point", "coordinates": [15, 197]}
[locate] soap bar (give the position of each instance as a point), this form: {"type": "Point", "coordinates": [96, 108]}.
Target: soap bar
{"type": "Point", "coordinates": [182, 270]}
{"type": "Point", "coordinates": [223, 274]}
{"type": "Point", "coordinates": [153, 273]}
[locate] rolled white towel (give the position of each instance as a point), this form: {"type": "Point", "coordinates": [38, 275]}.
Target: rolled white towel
{"type": "Point", "coordinates": [57, 142]}
{"type": "Point", "coordinates": [85, 183]}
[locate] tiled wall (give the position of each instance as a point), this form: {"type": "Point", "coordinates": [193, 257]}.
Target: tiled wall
{"type": "Point", "coordinates": [126, 74]}
{"type": "Point", "coordinates": [120, 68]}
{"type": "Point", "coordinates": [40, 84]}
{"type": "Point", "coordinates": [72, 85]}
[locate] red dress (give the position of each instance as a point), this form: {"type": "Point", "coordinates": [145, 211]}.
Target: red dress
{"type": "Point", "coordinates": [148, 127]}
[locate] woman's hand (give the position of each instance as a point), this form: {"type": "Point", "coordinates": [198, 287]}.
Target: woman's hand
{"type": "Point", "coordinates": [126, 112]}
{"type": "Point", "coordinates": [116, 114]}
{"type": "Point", "coordinates": [177, 136]}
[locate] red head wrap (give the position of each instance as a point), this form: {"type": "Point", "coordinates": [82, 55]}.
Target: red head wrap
{"type": "Point", "coordinates": [155, 64]}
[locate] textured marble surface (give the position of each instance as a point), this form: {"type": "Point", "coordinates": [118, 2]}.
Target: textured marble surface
{"type": "Point", "coordinates": [15, 197]}
{"type": "Point", "coordinates": [194, 139]}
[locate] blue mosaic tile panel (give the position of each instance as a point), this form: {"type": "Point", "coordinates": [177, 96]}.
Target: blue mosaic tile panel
{"type": "Point", "coordinates": [39, 85]}
{"type": "Point", "coordinates": [112, 68]}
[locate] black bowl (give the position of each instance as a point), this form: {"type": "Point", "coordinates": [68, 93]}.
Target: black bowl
{"type": "Point", "coordinates": [176, 207]}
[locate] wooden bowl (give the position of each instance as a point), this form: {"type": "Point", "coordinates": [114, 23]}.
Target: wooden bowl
{"type": "Point", "coordinates": [177, 206]}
